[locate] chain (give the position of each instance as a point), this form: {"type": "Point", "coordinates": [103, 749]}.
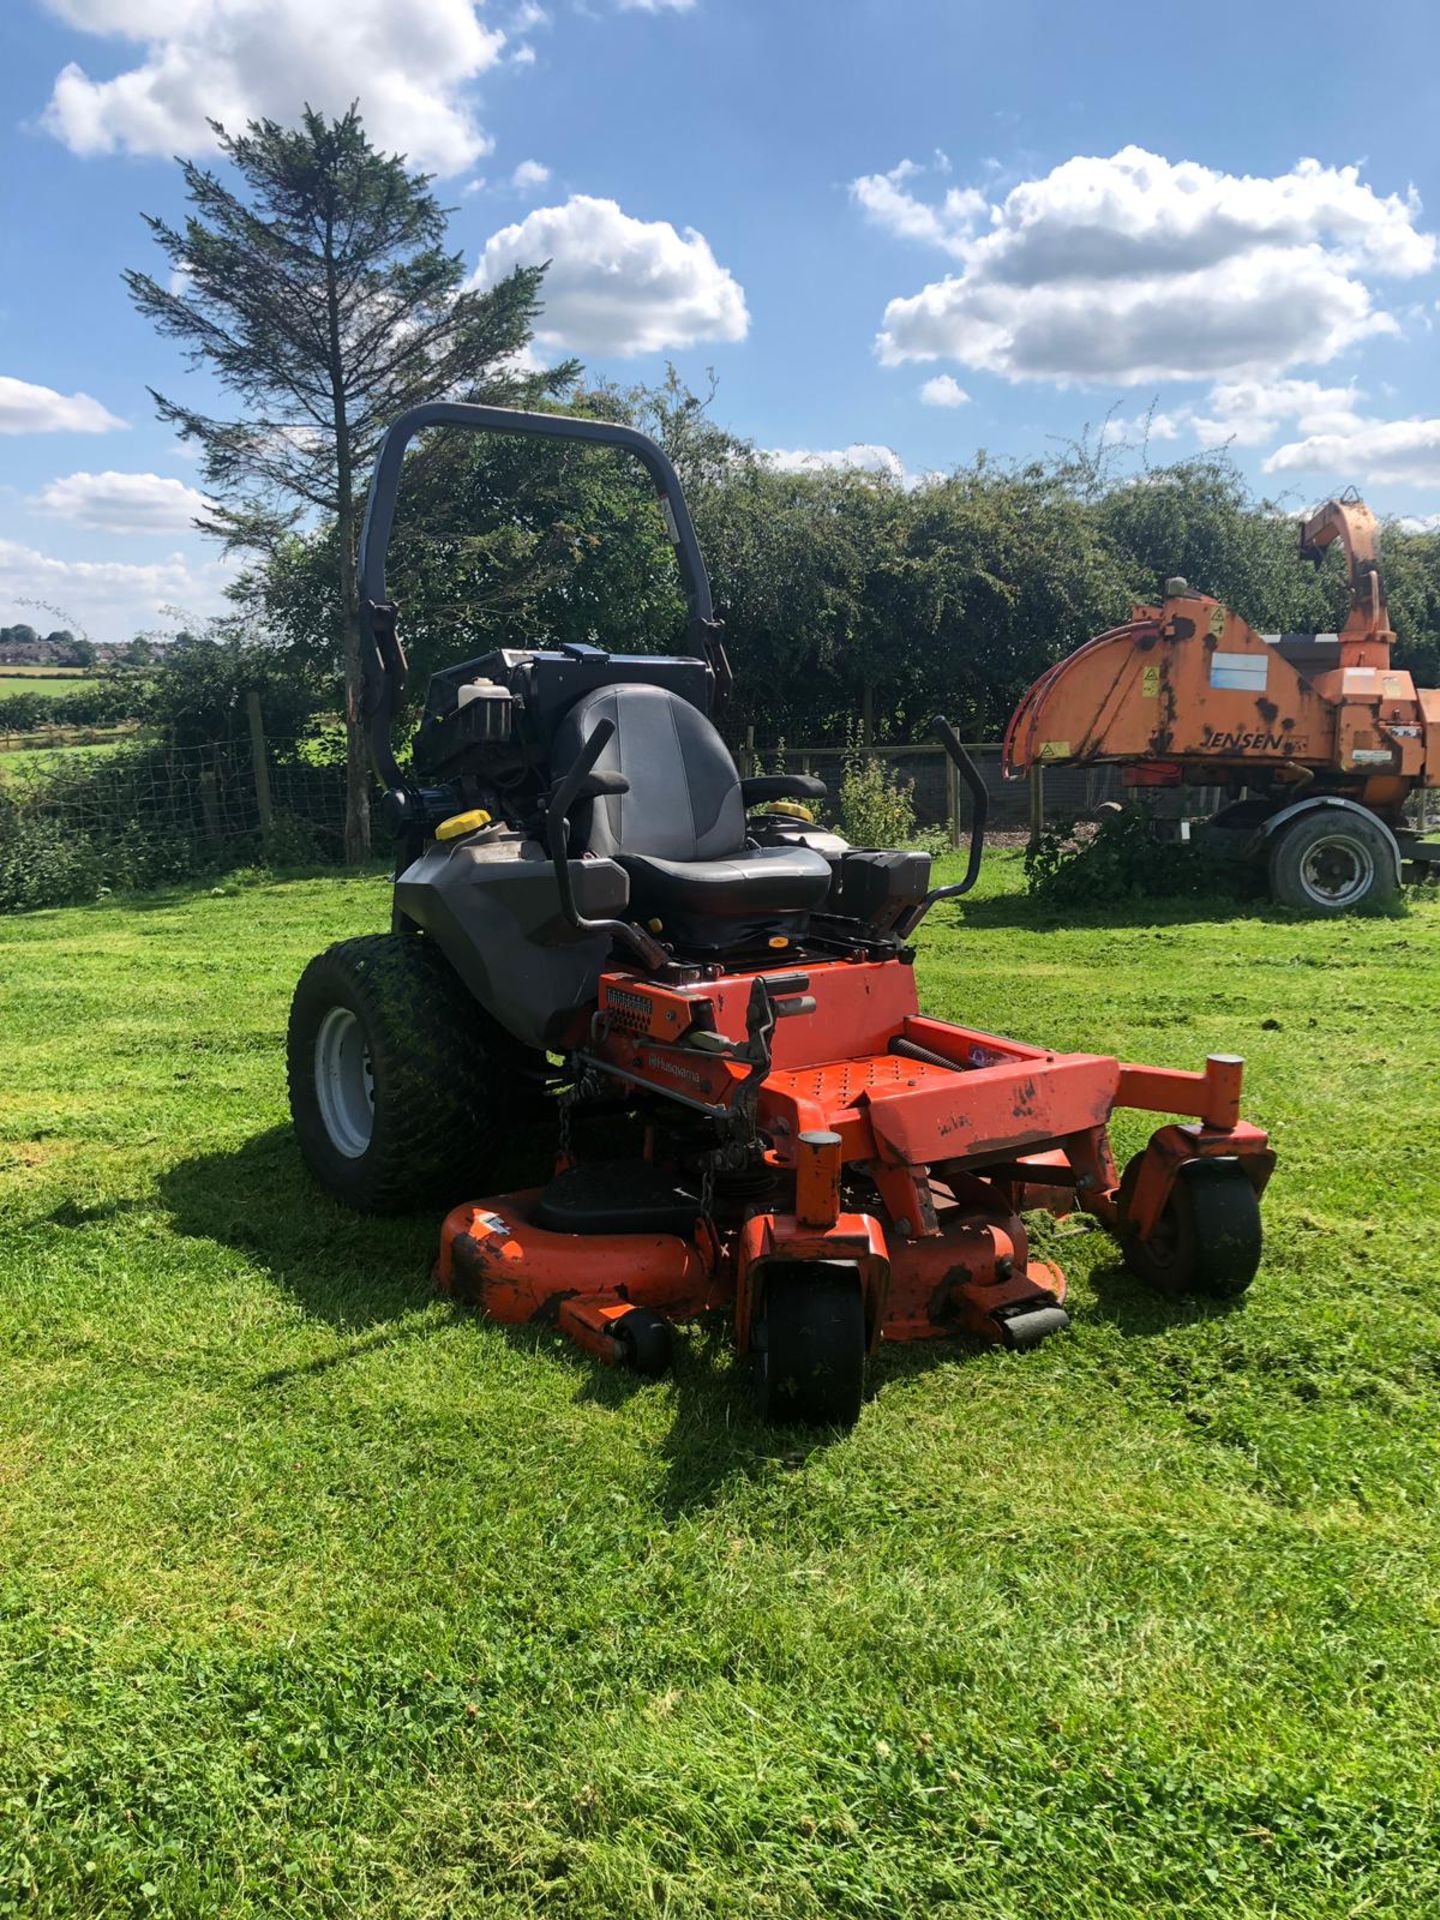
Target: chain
{"type": "Point", "coordinates": [707, 1190]}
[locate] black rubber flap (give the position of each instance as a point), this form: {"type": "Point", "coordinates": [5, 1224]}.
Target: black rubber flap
{"type": "Point", "coordinates": [616, 1196]}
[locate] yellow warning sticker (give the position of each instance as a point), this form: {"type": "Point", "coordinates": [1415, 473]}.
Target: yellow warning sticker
{"type": "Point", "coordinates": [1055, 750]}
{"type": "Point", "coordinates": [1150, 683]}
{"type": "Point", "coordinates": [1218, 617]}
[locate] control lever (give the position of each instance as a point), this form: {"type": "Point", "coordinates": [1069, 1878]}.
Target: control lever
{"type": "Point", "coordinates": [970, 774]}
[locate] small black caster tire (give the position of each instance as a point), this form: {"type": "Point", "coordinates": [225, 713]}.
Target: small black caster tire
{"type": "Point", "coordinates": [809, 1348]}
{"type": "Point", "coordinates": [1209, 1238]}
{"type": "Point", "coordinates": [647, 1343]}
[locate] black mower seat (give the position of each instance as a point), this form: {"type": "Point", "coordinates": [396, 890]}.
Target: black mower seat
{"type": "Point", "coordinates": [760, 880]}
{"type": "Point", "coordinates": [679, 832]}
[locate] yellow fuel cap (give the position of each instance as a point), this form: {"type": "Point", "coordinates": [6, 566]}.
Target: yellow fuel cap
{"type": "Point", "coordinates": [461, 823]}
{"type": "Point", "coordinates": [791, 810]}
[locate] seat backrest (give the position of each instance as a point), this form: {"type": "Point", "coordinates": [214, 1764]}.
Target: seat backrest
{"type": "Point", "coordinates": [684, 801]}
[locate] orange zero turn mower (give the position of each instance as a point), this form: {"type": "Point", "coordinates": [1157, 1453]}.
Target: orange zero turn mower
{"type": "Point", "coordinates": [708, 1004]}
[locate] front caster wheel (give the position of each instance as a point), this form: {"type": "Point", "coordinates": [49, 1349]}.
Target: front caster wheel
{"type": "Point", "coordinates": [809, 1347]}
{"type": "Point", "coordinates": [1207, 1240]}
{"type": "Point", "coordinates": [647, 1343]}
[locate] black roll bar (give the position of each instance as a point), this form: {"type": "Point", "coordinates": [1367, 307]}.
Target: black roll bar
{"type": "Point", "coordinates": [384, 659]}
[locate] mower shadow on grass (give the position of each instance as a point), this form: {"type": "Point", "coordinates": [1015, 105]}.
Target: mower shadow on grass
{"type": "Point", "coordinates": [363, 1275]}
{"type": "Point", "coordinates": [1138, 1312]}
{"type": "Point", "coordinates": [351, 1272]}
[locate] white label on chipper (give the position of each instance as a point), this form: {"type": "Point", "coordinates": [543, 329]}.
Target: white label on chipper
{"type": "Point", "coordinates": [1239, 672]}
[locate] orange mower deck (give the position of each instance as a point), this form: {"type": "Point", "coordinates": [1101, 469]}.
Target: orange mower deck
{"type": "Point", "coordinates": [903, 1148]}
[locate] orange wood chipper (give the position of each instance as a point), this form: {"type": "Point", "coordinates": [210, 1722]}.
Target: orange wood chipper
{"type": "Point", "coordinates": [1315, 738]}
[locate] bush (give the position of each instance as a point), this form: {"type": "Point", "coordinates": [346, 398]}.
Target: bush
{"type": "Point", "coordinates": [877, 806]}
{"type": "Point", "coordinates": [41, 865]}
{"type": "Point", "coordinates": [1121, 859]}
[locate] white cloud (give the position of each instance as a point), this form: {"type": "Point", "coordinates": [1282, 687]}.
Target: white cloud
{"type": "Point", "coordinates": [1133, 269]}
{"type": "Point", "coordinates": [523, 56]}
{"type": "Point", "coordinates": [112, 599]}
{"type": "Point", "coordinates": [1250, 412]}
{"type": "Point", "coordinates": [616, 284]}
{"type": "Point", "coordinates": [1419, 523]}
{"type": "Point", "coordinates": [122, 502]}
{"type": "Point", "coordinates": [655, 6]}
{"type": "Point", "coordinates": [26, 408]}
{"type": "Point", "coordinates": [1400, 452]}
{"type": "Point", "coordinates": [859, 457]}
{"type": "Point", "coordinates": [529, 173]}
{"type": "Point", "coordinates": [407, 61]}
{"type": "Point", "coordinates": [885, 199]}
{"type": "Point", "coordinates": [943, 391]}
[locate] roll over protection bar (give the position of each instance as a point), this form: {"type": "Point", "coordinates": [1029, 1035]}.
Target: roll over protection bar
{"type": "Point", "coordinates": [382, 655]}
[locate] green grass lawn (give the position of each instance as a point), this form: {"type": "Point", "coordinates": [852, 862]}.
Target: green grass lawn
{"type": "Point", "coordinates": [318, 1597]}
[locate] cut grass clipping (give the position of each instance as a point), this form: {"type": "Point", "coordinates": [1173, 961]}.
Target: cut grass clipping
{"type": "Point", "coordinates": [320, 1598]}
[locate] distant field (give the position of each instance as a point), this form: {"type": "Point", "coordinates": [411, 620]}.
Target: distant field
{"type": "Point", "coordinates": [16, 761]}
{"type": "Point", "coordinates": [44, 680]}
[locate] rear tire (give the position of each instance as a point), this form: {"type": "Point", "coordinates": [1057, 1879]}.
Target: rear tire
{"type": "Point", "coordinates": [395, 1097]}
{"type": "Point", "coordinates": [809, 1347]}
{"type": "Point", "coordinates": [1333, 861]}
{"type": "Point", "coordinates": [1209, 1238]}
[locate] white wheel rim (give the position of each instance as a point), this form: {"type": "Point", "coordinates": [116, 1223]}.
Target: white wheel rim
{"type": "Point", "coordinates": [1337, 871]}
{"type": "Point", "coordinates": [344, 1082]}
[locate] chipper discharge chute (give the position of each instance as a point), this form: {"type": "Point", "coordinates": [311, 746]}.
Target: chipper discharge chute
{"type": "Point", "coordinates": [711, 1004]}
{"type": "Point", "coordinates": [1317, 740]}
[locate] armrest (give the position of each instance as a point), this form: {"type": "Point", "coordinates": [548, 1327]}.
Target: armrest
{"type": "Point", "coordinates": [780, 786]}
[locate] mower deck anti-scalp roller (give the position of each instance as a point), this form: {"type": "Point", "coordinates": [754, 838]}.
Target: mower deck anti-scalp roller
{"type": "Point", "coordinates": [750, 1114]}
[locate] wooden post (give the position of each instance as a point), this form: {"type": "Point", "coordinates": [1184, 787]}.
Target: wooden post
{"type": "Point", "coordinates": [952, 800]}
{"type": "Point", "coordinates": [1037, 802]}
{"type": "Point", "coordinates": [748, 766]}
{"type": "Point", "coordinates": [261, 764]}
{"type": "Point", "coordinates": [210, 803]}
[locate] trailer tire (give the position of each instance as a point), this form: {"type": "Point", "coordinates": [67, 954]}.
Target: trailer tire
{"type": "Point", "coordinates": [1209, 1238]}
{"type": "Point", "coordinates": [395, 1096]}
{"type": "Point", "coordinates": [1332, 861]}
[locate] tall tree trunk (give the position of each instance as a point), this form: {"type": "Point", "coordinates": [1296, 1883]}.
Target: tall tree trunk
{"type": "Point", "coordinates": [357, 756]}
{"type": "Point", "coordinates": [357, 753]}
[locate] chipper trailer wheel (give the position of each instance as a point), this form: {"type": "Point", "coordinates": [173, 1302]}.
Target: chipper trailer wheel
{"type": "Point", "coordinates": [1333, 861]}
{"type": "Point", "coordinates": [809, 1347]}
{"type": "Point", "coordinates": [396, 1100]}
{"type": "Point", "coordinates": [1208, 1238]}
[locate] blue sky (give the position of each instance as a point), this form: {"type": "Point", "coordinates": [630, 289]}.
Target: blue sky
{"type": "Point", "coordinates": [898, 230]}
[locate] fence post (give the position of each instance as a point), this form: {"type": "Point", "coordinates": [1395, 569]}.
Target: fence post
{"type": "Point", "coordinates": [747, 764]}
{"type": "Point", "coordinates": [261, 764]}
{"type": "Point", "coordinates": [952, 800]}
{"type": "Point", "coordinates": [1037, 802]}
{"type": "Point", "coordinates": [210, 803]}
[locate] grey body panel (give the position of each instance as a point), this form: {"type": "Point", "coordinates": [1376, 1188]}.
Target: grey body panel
{"type": "Point", "coordinates": [491, 905]}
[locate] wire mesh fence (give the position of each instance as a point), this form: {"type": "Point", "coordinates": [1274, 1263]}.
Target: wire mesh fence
{"type": "Point", "coordinates": [1062, 794]}
{"type": "Point", "coordinates": [148, 810]}
{"type": "Point", "coordinates": [209, 796]}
